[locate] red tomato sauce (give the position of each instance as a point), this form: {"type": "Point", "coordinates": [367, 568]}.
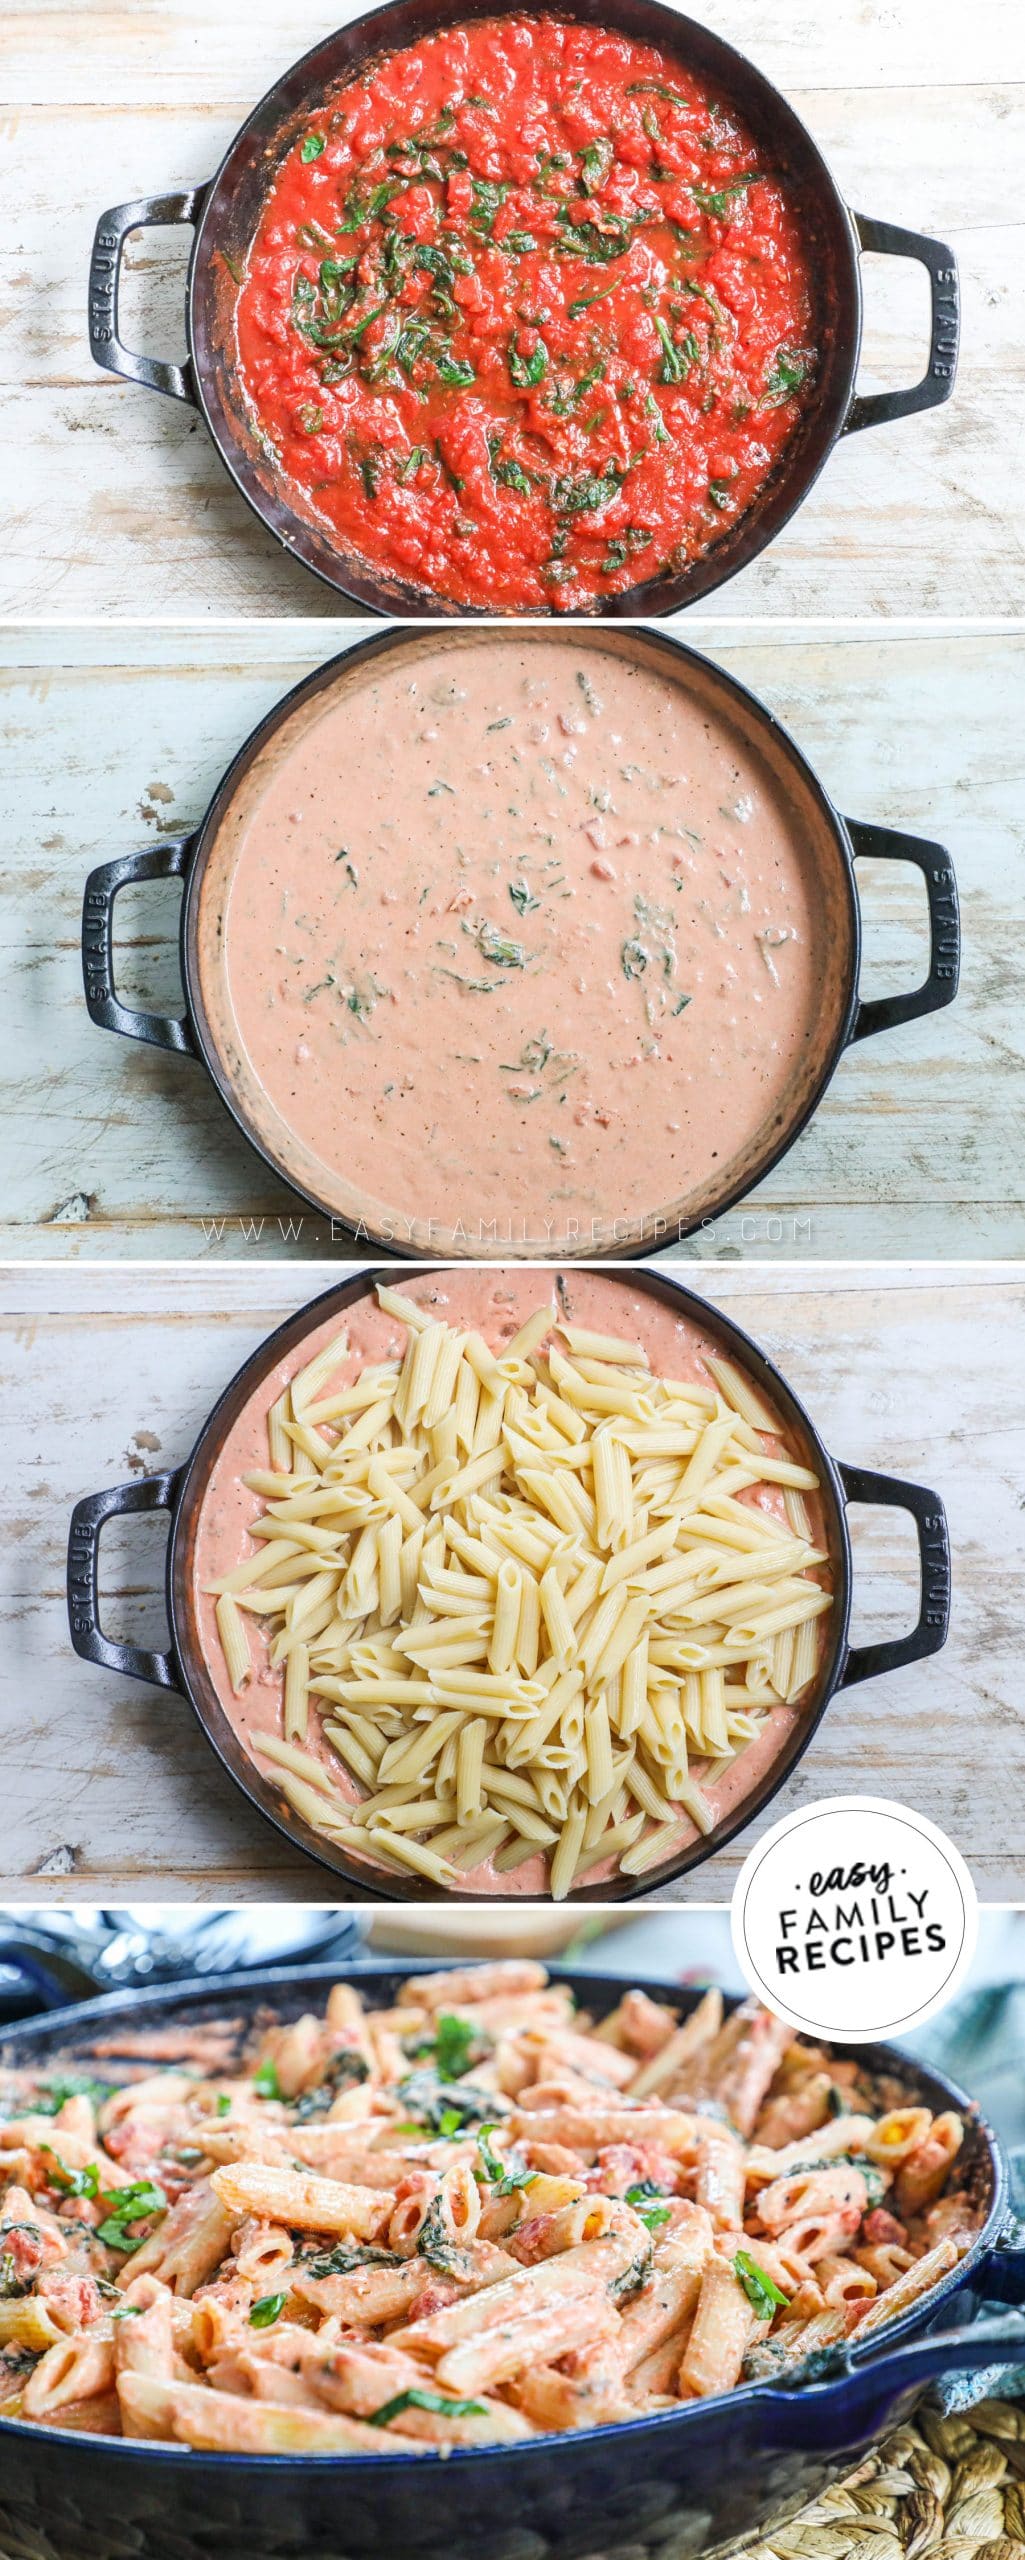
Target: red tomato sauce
{"type": "Point", "coordinates": [526, 319]}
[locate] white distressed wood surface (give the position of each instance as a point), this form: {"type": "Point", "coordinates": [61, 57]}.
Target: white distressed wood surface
{"type": "Point", "coordinates": [113, 498]}
{"type": "Point", "coordinates": [116, 738]}
{"type": "Point", "coordinates": [109, 1788]}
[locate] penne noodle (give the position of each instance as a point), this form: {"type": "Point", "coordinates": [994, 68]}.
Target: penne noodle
{"type": "Point", "coordinates": [411, 2216]}
{"type": "Point", "coordinates": [540, 1567]}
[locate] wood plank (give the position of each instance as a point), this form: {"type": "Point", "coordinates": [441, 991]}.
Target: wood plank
{"type": "Point", "coordinates": [906, 1371]}
{"type": "Point", "coordinates": [112, 1148]}
{"type": "Point", "coordinates": [198, 55]}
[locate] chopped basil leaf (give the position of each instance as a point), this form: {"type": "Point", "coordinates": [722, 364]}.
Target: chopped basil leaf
{"type": "Point", "coordinates": [598, 242]}
{"type": "Point", "coordinates": [126, 2206]}
{"type": "Point", "coordinates": [116, 2235]}
{"type": "Point", "coordinates": [434, 262]}
{"type": "Point", "coordinates": [655, 89]}
{"type": "Point", "coordinates": [266, 2083]}
{"type": "Point", "coordinates": [52, 2095]}
{"type": "Point", "coordinates": [586, 299]}
{"type": "Point", "coordinates": [368, 208]}
{"type": "Point", "coordinates": [488, 198]}
{"type": "Point", "coordinates": [267, 2310]}
{"type": "Point", "coordinates": [343, 2260]}
{"type": "Point", "coordinates": [525, 371]}
{"type": "Point", "coordinates": [875, 2183]}
{"type": "Point", "coordinates": [454, 2045]}
{"type": "Point", "coordinates": [717, 200]}
{"type": "Point", "coordinates": [362, 325]}
{"type": "Point", "coordinates": [674, 366]}
{"type": "Point", "coordinates": [510, 476]}
{"type": "Point", "coordinates": [496, 946]}
{"type": "Point", "coordinates": [435, 2099]}
{"type": "Point", "coordinates": [508, 473]}
{"type": "Point", "coordinates": [435, 2242]}
{"type": "Point", "coordinates": [596, 161]}
{"type": "Point", "coordinates": [312, 147]}
{"type": "Point", "coordinates": [659, 428]}
{"type": "Point", "coordinates": [435, 2401]}
{"type": "Point", "coordinates": [764, 2297]}
{"type": "Point", "coordinates": [590, 490]}
{"type": "Point", "coordinates": [635, 538]}
{"type": "Point", "coordinates": [347, 2068]}
{"type": "Point", "coordinates": [503, 2176]}
{"type": "Point", "coordinates": [453, 369]}
{"type": "Point", "coordinates": [635, 2275]}
{"type": "Point", "coordinates": [645, 2198]}
{"type": "Point", "coordinates": [785, 377]}
{"type": "Point", "coordinates": [71, 2182]}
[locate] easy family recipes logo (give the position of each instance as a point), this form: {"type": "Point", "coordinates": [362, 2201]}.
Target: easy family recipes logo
{"type": "Point", "coordinates": [856, 1915]}
{"type": "Point", "coordinates": [854, 1918]}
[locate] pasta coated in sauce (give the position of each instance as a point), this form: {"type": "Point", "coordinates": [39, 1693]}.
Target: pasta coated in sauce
{"type": "Point", "coordinates": [474, 2217]}
{"type": "Point", "coordinates": [522, 1602]}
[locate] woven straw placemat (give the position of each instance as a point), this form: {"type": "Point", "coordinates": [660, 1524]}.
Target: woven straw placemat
{"type": "Point", "coordinates": [949, 2487]}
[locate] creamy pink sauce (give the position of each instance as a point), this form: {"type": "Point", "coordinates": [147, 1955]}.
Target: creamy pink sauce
{"type": "Point", "coordinates": [495, 1303]}
{"type": "Point", "coordinates": [525, 938]}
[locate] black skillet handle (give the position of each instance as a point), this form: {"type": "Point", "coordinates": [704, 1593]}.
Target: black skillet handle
{"type": "Point", "coordinates": [862, 1484]}
{"type": "Point", "coordinates": [879, 408]}
{"type": "Point", "coordinates": [184, 204]}
{"type": "Point", "coordinates": [890, 844]}
{"type": "Point", "coordinates": [168, 861]}
{"type": "Point", "coordinates": [145, 1493]}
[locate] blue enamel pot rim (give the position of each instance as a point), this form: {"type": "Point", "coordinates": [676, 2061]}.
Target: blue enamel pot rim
{"type": "Point", "coordinates": [249, 1989]}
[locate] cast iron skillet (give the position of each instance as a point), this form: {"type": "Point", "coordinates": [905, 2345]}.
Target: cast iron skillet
{"type": "Point", "coordinates": [687, 2481]}
{"type": "Point", "coordinates": [182, 1667]}
{"type": "Point", "coordinates": [845, 1016]}
{"type": "Point", "coordinates": [225, 215]}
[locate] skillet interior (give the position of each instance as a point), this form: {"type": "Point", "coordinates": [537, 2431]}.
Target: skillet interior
{"type": "Point", "coordinates": [254, 2001]}
{"type": "Point", "coordinates": [789, 783]}
{"type": "Point", "coordinates": [232, 210]}
{"type": "Point", "coordinates": [684, 2484]}
{"type": "Point", "coordinates": [200, 1688]}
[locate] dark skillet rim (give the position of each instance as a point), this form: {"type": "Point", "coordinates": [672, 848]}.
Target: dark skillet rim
{"type": "Point", "coordinates": [883, 2057]}
{"type": "Point", "coordinates": [397, 637]}
{"type": "Point", "coordinates": [299, 539]}
{"type": "Point", "coordinates": [260, 1791]}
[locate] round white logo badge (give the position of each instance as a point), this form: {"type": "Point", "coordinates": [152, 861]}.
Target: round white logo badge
{"type": "Point", "coordinates": [854, 1919]}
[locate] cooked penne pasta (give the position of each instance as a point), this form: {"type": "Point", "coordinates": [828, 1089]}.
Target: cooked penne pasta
{"type": "Point", "coordinates": [469, 2218]}
{"type": "Point", "coordinates": [616, 1570]}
